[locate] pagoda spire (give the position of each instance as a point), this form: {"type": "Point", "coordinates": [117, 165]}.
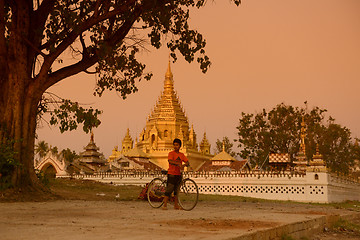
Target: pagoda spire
{"type": "Point", "coordinates": [303, 135]}
{"type": "Point", "coordinates": [127, 142]}
{"type": "Point", "coordinates": [205, 145]}
{"type": "Point", "coordinates": [300, 160]}
{"type": "Point", "coordinates": [92, 136]}
{"type": "Point", "coordinates": [168, 73]}
{"type": "Point", "coordinates": [317, 163]}
{"type": "Point", "coordinates": [169, 83]}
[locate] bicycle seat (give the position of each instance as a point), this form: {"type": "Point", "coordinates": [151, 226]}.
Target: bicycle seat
{"type": "Point", "coordinates": [164, 172]}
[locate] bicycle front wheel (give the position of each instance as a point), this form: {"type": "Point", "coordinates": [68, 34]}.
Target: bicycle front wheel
{"type": "Point", "coordinates": [156, 192]}
{"type": "Point", "coordinates": [188, 194]}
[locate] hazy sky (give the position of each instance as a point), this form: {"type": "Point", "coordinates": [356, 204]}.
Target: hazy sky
{"type": "Point", "coordinates": [263, 53]}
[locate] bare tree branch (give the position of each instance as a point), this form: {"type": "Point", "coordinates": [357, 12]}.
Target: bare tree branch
{"type": "Point", "coordinates": [96, 10]}
{"type": "Point", "coordinates": [88, 72]}
{"type": "Point", "coordinates": [87, 61]}
{"type": "Point", "coordinates": [69, 71]}
{"type": "Point", "coordinates": [48, 61]}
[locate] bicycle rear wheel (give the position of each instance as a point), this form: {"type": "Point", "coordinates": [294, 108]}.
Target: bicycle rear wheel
{"type": "Point", "coordinates": [188, 194]}
{"type": "Point", "coordinates": [156, 192]}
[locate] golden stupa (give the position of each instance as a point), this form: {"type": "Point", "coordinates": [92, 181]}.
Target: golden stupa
{"type": "Point", "coordinates": [165, 123]}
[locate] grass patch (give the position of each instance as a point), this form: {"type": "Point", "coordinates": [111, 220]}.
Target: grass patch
{"type": "Point", "coordinates": [75, 189]}
{"type": "Point", "coordinates": [346, 205]}
{"type": "Point", "coordinates": [347, 226]}
{"type": "Point", "coordinates": [288, 237]}
{"type": "Point", "coordinates": [353, 205]}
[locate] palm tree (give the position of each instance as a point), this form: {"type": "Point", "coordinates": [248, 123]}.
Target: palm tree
{"type": "Point", "coordinates": [54, 150]}
{"type": "Point", "coordinates": [41, 148]}
{"type": "Point", "coordinates": [69, 155]}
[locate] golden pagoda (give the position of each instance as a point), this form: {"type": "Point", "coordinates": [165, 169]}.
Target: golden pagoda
{"type": "Point", "coordinates": [166, 122]}
{"type": "Point", "coordinates": [317, 163]}
{"type": "Point", "coordinates": [127, 142]}
{"type": "Point", "coordinates": [205, 145]}
{"type": "Point", "coordinates": [300, 159]}
{"type": "Point", "coordinates": [114, 154]}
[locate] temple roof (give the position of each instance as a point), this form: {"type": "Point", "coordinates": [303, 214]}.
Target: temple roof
{"type": "Point", "coordinates": [204, 141]}
{"type": "Point", "coordinates": [317, 158]}
{"type": "Point", "coordinates": [234, 165]}
{"type": "Point", "coordinates": [91, 154]}
{"type": "Point", "coordinates": [136, 152]}
{"type": "Point", "coordinates": [91, 147]}
{"type": "Point", "coordinates": [223, 156]}
{"type": "Point", "coordinates": [127, 137]}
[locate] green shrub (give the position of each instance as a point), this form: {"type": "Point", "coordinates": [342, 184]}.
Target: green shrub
{"type": "Point", "coordinates": [44, 179]}
{"type": "Point", "coordinates": [8, 163]}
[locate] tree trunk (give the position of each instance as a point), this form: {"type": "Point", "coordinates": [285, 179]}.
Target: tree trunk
{"type": "Point", "coordinates": [19, 100]}
{"type": "Point", "coordinates": [19, 124]}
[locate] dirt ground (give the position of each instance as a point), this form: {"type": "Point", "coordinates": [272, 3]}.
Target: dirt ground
{"type": "Point", "coordinates": [78, 219]}
{"type": "Point", "coordinates": [89, 210]}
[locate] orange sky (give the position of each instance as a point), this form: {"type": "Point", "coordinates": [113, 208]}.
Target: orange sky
{"type": "Point", "coordinates": [263, 53]}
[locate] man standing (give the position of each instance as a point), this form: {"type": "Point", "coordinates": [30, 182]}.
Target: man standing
{"type": "Point", "coordinates": [176, 160]}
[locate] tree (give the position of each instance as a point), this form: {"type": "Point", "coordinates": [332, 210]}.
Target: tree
{"type": "Point", "coordinates": [227, 144]}
{"type": "Point", "coordinates": [54, 150]}
{"type": "Point", "coordinates": [7, 164]}
{"type": "Point", "coordinates": [103, 36]}
{"type": "Point", "coordinates": [337, 147]}
{"type": "Point", "coordinates": [42, 148]}
{"type": "Point", "coordinates": [68, 155]}
{"type": "Point", "coordinates": [278, 131]}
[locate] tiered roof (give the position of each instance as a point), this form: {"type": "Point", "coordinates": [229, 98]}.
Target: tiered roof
{"type": "Point", "coordinates": [168, 107]}
{"type": "Point", "coordinates": [91, 154]}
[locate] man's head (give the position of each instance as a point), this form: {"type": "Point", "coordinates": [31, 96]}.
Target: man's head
{"type": "Point", "coordinates": [177, 144]}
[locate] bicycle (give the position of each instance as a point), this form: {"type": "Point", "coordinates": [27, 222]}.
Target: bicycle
{"type": "Point", "coordinates": [188, 195]}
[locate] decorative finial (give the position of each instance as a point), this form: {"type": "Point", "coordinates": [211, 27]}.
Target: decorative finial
{"type": "Point", "coordinates": [168, 73]}
{"type": "Point", "coordinates": [317, 149]}
{"type": "Point", "coordinates": [303, 121]}
{"type": "Point", "coordinates": [92, 136]}
{"type": "Point", "coordinates": [223, 145]}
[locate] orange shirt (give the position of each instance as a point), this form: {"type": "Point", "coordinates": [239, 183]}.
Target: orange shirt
{"type": "Point", "coordinates": [175, 159]}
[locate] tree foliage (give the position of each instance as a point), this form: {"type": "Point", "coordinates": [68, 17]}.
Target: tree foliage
{"type": "Point", "coordinates": [69, 155]}
{"type": "Point", "coordinates": [278, 131]}
{"type": "Point", "coordinates": [8, 163]}
{"type": "Point", "coordinates": [54, 150]}
{"type": "Point", "coordinates": [67, 114]}
{"type": "Point", "coordinates": [227, 145]}
{"type": "Point", "coordinates": [42, 148]}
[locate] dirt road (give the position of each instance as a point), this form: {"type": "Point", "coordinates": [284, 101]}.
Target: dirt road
{"type": "Point", "coordinates": [137, 220]}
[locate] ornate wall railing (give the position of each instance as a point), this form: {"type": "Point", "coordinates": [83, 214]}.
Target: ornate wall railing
{"type": "Point", "coordinates": [295, 186]}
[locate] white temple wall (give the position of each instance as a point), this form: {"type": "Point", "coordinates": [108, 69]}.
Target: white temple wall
{"type": "Point", "coordinates": [318, 187]}
{"type": "Point", "coordinates": [341, 189]}
{"type": "Point", "coordinates": [275, 187]}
